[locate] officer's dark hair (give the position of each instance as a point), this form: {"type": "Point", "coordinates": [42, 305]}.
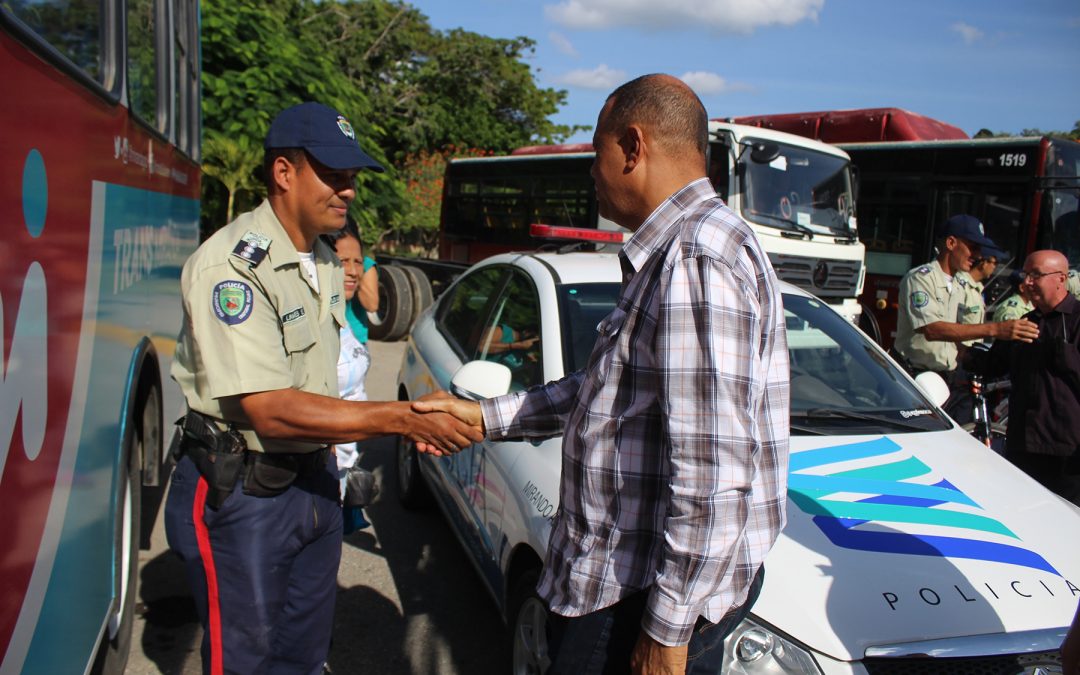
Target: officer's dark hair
{"type": "Point", "coordinates": [673, 113]}
{"type": "Point", "coordinates": [350, 230]}
{"type": "Point", "coordinates": [295, 156]}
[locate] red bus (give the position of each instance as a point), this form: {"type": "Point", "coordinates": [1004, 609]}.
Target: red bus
{"type": "Point", "coordinates": [914, 172]}
{"type": "Point", "coordinates": [100, 203]}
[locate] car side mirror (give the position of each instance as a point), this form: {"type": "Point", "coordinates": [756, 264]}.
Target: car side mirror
{"type": "Point", "coordinates": [933, 386]}
{"type": "Point", "coordinates": [478, 380]}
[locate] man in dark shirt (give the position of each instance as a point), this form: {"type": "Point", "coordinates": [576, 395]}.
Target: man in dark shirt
{"type": "Point", "coordinates": [1044, 405]}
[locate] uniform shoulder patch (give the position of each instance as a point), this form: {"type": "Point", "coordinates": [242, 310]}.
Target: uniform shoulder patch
{"type": "Point", "coordinates": [925, 269]}
{"type": "Point", "coordinates": [920, 299]}
{"type": "Point", "coordinates": [252, 247]}
{"type": "Point", "coordinates": [232, 301]}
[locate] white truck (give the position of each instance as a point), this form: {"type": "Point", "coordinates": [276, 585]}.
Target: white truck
{"type": "Point", "coordinates": [797, 194]}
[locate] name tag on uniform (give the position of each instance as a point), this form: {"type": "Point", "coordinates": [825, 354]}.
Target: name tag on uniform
{"type": "Point", "coordinates": [294, 315]}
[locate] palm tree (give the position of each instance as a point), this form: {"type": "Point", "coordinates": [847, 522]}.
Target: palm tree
{"type": "Point", "coordinates": [232, 161]}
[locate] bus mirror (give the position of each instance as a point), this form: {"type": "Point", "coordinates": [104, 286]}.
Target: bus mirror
{"type": "Point", "coordinates": [478, 380]}
{"type": "Point", "coordinates": [763, 152]}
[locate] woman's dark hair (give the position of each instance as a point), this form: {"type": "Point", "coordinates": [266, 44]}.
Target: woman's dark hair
{"type": "Point", "coordinates": [350, 230]}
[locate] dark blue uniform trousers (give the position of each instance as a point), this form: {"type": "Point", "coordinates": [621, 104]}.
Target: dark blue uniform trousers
{"type": "Point", "coordinates": [263, 571]}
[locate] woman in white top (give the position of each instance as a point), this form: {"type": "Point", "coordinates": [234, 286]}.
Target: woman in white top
{"type": "Point", "coordinates": [361, 284]}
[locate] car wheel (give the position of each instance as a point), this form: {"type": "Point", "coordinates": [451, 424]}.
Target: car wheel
{"type": "Point", "coordinates": [395, 313]}
{"type": "Point", "coordinates": [528, 627]}
{"type": "Point", "coordinates": [412, 491]}
{"type": "Point", "coordinates": [422, 295]}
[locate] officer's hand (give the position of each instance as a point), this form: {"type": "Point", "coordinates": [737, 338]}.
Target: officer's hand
{"type": "Point", "coordinates": [442, 425]}
{"type": "Point", "coordinates": [1018, 329]}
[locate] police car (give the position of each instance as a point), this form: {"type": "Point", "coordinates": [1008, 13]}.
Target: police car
{"type": "Point", "coordinates": [909, 547]}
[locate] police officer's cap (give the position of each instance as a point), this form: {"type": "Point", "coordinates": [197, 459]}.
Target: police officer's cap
{"type": "Point", "coordinates": [970, 229]}
{"type": "Point", "coordinates": [323, 132]}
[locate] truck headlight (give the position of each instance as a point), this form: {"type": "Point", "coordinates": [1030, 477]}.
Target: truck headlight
{"type": "Point", "coordinates": [752, 649]}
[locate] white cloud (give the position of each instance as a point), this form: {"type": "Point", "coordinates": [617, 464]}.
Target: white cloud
{"type": "Point", "coordinates": [970, 33]}
{"type": "Point", "coordinates": [600, 77]}
{"type": "Point", "coordinates": [706, 84]}
{"type": "Point", "coordinates": [563, 44]}
{"type": "Point", "coordinates": [723, 16]}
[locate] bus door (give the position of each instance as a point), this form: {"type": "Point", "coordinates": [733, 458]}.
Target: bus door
{"type": "Point", "coordinates": [1003, 208]}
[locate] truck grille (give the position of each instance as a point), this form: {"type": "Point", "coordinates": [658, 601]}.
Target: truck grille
{"type": "Point", "coordinates": [1009, 664]}
{"type": "Point", "coordinates": [820, 276]}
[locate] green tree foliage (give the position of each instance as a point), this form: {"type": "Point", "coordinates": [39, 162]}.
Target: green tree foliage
{"type": "Point", "coordinates": [410, 92]}
{"type": "Point", "coordinates": [1074, 134]}
{"type": "Point", "coordinates": [259, 58]}
{"type": "Point", "coordinates": [233, 161]}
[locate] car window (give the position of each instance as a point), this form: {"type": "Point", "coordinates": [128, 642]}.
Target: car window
{"type": "Point", "coordinates": [582, 307]}
{"type": "Point", "coordinates": [466, 305]}
{"type": "Point", "coordinates": [511, 335]}
{"type": "Point", "coordinates": [840, 383]}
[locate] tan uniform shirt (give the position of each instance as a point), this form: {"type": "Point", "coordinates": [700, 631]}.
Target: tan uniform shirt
{"type": "Point", "coordinates": [972, 305]}
{"type": "Point", "coordinates": [925, 298]}
{"type": "Point", "coordinates": [1012, 308]}
{"type": "Point", "coordinates": [257, 327]}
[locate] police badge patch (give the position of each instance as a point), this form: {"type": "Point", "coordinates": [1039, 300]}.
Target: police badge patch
{"type": "Point", "coordinates": [232, 301]}
{"type": "Point", "coordinates": [920, 299]}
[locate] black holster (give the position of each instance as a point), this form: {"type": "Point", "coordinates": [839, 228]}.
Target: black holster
{"type": "Point", "coordinates": [218, 455]}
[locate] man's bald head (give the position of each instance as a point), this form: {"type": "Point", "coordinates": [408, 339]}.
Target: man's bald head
{"type": "Point", "coordinates": [1045, 276]}
{"type": "Point", "coordinates": [665, 107]}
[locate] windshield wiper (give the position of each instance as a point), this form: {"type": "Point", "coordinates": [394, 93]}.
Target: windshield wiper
{"type": "Point", "coordinates": [789, 225]}
{"type": "Point", "coordinates": [840, 413]}
{"type": "Point", "coordinates": [808, 430]}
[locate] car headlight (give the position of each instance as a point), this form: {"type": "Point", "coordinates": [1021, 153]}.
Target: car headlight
{"type": "Point", "coordinates": [752, 649]}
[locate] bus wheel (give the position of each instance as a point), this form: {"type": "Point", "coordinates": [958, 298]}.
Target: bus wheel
{"type": "Point", "coordinates": [421, 290]}
{"type": "Point", "coordinates": [144, 435]}
{"type": "Point", "coordinates": [395, 313]}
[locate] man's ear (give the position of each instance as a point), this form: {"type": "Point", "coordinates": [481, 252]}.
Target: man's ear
{"type": "Point", "coordinates": [633, 146]}
{"type": "Point", "coordinates": [282, 173]}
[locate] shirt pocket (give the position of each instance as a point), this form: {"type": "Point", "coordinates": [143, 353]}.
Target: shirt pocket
{"type": "Point", "coordinates": [607, 337]}
{"type": "Point", "coordinates": [299, 335]}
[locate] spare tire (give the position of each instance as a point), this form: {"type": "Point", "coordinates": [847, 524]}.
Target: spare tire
{"type": "Point", "coordinates": [395, 313]}
{"type": "Point", "coordinates": [421, 290]}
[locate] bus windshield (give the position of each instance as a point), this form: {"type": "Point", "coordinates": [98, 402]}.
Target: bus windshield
{"type": "Point", "coordinates": [797, 189]}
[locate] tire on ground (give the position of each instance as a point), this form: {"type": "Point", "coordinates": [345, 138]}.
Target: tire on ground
{"type": "Point", "coordinates": [421, 290]}
{"type": "Point", "coordinates": [395, 314]}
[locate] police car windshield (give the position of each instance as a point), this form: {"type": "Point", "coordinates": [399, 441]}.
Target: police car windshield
{"type": "Point", "coordinates": [841, 383]}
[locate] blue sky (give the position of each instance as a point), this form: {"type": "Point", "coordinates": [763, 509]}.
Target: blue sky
{"type": "Point", "coordinates": [1002, 64]}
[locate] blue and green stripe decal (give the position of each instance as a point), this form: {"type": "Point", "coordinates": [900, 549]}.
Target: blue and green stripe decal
{"type": "Point", "coordinates": [894, 497]}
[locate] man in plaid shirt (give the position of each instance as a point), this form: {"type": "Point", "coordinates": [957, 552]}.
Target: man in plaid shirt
{"type": "Point", "coordinates": [675, 449]}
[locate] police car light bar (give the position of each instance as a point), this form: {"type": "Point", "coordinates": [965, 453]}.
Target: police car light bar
{"type": "Point", "coordinates": [575, 233]}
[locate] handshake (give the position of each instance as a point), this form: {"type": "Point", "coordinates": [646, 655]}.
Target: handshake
{"type": "Point", "coordinates": [441, 424]}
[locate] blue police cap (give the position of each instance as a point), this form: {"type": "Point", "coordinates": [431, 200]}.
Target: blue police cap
{"type": "Point", "coordinates": [969, 228]}
{"type": "Point", "coordinates": [323, 132]}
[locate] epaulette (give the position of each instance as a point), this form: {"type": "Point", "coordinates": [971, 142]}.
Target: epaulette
{"type": "Point", "coordinates": [925, 269]}
{"type": "Point", "coordinates": [252, 247]}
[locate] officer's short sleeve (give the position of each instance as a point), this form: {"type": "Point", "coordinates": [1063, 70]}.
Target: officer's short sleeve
{"type": "Point", "coordinates": [918, 298]}
{"type": "Point", "coordinates": [238, 334]}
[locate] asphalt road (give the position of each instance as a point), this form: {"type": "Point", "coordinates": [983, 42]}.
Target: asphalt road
{"type": "Point", "coordinates": [408, 599]}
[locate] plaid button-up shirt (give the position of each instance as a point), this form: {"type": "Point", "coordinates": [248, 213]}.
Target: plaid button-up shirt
{"type": "Point", "coordinates": [675, 451]}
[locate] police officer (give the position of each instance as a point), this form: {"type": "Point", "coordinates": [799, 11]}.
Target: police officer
{"type": "Point", "coordinates": [972, 304]}
{"type": "Point", "coordinates": [928, 326]}
{"type": "Point", "coordinates": [1016, 304]}
{"type": "Point", "coordinates": [253, 508]}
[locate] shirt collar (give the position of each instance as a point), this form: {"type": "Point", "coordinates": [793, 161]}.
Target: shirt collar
{"type": "Point", "coordinates": [654, 232]}
{"type": "Point", "coordinates": [267, 223]}
{"type": "Point", "coordinates": [1070, 305]}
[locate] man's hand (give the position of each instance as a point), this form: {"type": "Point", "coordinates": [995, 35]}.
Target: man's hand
{"type": "Point", "coordinates": [440, 404]}
{"type": "Point", "coordinates": [651, 657]}
{"type": "Point", "coordinates": [1017, 329]}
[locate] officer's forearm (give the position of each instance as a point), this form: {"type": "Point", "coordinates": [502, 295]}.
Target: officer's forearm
{"type": "Point", "coordinates": [944, 331]}
{"type": "Point", "coordinates": [298, 415]}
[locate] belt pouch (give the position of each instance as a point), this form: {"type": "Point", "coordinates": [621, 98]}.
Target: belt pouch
{"type": "Point", "coordinates": [361, 487]}
{"type": "Point", "coordinates": [220, 470]}
{"type": "Point", "coordinates": [269, 475]}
